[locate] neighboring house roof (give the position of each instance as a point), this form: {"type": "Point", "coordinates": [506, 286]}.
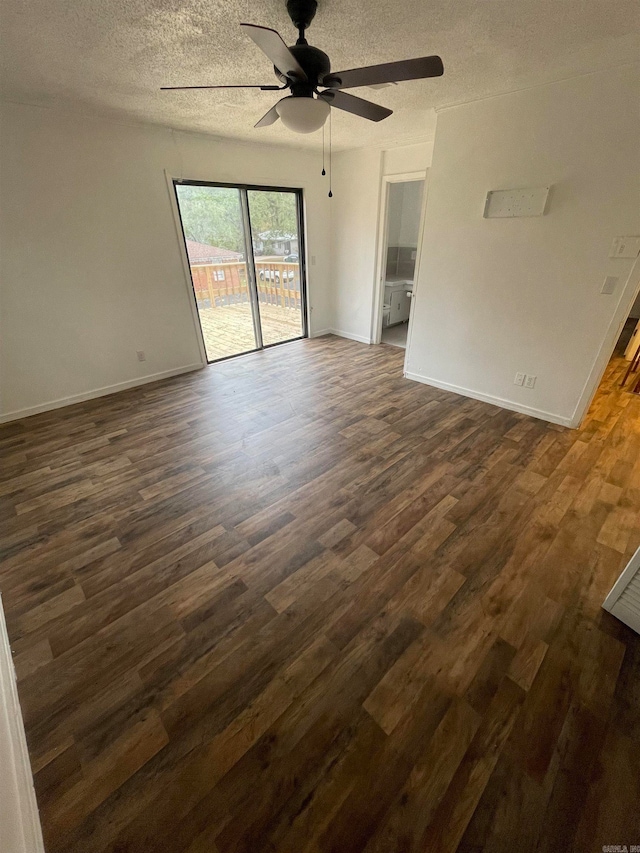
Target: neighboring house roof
{"type": "Point", "coordinates": [202, 253]}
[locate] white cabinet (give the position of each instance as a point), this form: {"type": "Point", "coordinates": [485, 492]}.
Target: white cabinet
{"type": "Point", "coordinates": [397, 302]}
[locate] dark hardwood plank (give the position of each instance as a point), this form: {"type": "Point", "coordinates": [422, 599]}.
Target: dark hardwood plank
{"type": "Point", "coordinates": [295, 602]}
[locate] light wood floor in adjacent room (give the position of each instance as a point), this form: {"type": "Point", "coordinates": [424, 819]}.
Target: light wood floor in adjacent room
{"type": "Point", "coordinates": [297, 603]}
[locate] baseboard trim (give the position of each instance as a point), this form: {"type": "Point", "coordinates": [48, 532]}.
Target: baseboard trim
{"type": "Point", "coordinates": [20, 830]}
{"type": "Point", "coordinates": [97, 392]}
{"type": "Point", "coordinates": [361, 339]}
{"type": "Point", "coordinates": [494, 401]}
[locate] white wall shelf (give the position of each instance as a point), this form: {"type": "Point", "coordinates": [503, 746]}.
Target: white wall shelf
{"type": "Point", "coordinates": [501, 204]}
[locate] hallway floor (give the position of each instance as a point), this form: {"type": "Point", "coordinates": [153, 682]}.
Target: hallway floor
{"type": "Point", "coordinates": [396, 336]}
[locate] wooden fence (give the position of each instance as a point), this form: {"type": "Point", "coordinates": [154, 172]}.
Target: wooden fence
{"type": "Point", "coordinates": [218, 285]}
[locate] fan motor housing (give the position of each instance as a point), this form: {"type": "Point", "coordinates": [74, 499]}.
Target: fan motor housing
{"type": "Point", "coordinates": [315, 63]}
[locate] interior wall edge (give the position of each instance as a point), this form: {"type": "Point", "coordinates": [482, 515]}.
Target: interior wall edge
{"type": "Point", "coordinates": [628, 297]}
{"type": "Point", "coordinates": [20, 830]}
{"type": "Point", "coordinates": [49, 406]}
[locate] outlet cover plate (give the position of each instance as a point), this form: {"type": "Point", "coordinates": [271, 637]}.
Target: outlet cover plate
{"type": "Point", "coordinates": [609, 284]}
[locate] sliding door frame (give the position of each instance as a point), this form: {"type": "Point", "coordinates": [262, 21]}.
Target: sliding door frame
{"type": "Point", "coordinates": [243, 189]}
{"type": "Point", "coordinates": [250, 262]}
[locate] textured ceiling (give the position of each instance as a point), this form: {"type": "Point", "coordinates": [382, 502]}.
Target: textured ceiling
{"type": "Point", "coordinates": [113, 55]}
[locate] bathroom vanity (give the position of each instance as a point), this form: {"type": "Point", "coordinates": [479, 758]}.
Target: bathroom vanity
{"type": "Point", "coordinates": [398, 293]}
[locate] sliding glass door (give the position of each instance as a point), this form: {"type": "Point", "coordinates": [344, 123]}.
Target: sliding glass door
{"type": "Point", "coordinates": [245, 254]}
{"type": "Point", "coordinates": [276, 251]}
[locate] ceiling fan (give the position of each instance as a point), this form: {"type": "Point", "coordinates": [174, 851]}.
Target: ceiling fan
{"type": "Point", "coordinates": [303, 69]}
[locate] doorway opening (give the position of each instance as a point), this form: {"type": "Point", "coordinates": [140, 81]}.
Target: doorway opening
{"type": "Point", "coordinates": [400, 227]}
{"type": "Point", "coordinates": [624, 364]}
{"type": "Point", "coordinates": [621, 377]}
{"type": "Point", "coordinates": [246, 258]}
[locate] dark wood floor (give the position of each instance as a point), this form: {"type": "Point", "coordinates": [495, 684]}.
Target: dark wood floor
{"type": "Point", "coordinates": [297, 603]}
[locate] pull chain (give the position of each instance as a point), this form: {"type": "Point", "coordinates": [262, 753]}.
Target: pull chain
{"type": "Point", "coordinates": [330, 169]}
{"type": "Point", "coordinates": [323, 171]}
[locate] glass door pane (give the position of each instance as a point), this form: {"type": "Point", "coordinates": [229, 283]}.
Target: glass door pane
{"type": "Point", "coordinates": [276, 242]}
{"type": "Point", "coordinates": [214, 231]}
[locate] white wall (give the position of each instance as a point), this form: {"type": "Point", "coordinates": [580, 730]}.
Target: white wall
{"type": "Point", "coordinates": [504, 295]}
{"type": "Point", "coordinates": [404, 206]}
{"type": "Point", "coordinates": [395, 204]}
{"type": "Point", "coordinates": [411, 211]}
{"type": "Point", "coordinates": [407, 158]}
{"type": "Point", "coordinates": [355, 210]}
{"type": "Point", "coordinates": [354, 224]}
{"type": "Point", "coordinates": [91, 262]}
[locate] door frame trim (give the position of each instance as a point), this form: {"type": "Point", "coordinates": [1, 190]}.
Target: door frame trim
{"type": "Point", "coordinates": [381, 257]}
{"type": "Point", "coordinates": [186, 270]}
{"type": "Point", "coordinates": [23, 826]}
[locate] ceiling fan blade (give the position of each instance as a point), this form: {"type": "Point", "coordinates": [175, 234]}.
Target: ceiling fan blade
{"type": "Point", "coordinates": [357, 106]}
{"type": "Point", "coordinates": [270, 42]}
{"type": "Point", "coordinates": [268, 118]}
{"type": "Point", "coordinates": [263, 88]}
{"type": "Point", "coordinates": [388, 72]}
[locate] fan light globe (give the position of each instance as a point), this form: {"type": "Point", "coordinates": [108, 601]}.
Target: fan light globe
{"type": "Point", "coordinates": [301, 114]}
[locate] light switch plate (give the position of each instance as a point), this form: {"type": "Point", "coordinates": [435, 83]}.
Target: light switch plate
{"type": "Point", "coordinates": [625, 247]}
{"type": "Point", "coordinates": [609, 284]}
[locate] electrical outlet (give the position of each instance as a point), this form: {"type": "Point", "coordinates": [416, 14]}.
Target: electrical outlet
{"type": "Point", "coordinates": [530, 381]}
{"type": "Point", "coordinates": [519, 380]}
{"type": "Point", "coordinates": [141, 355]}
{"type": "Point", "coordinates": [313, 260]}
